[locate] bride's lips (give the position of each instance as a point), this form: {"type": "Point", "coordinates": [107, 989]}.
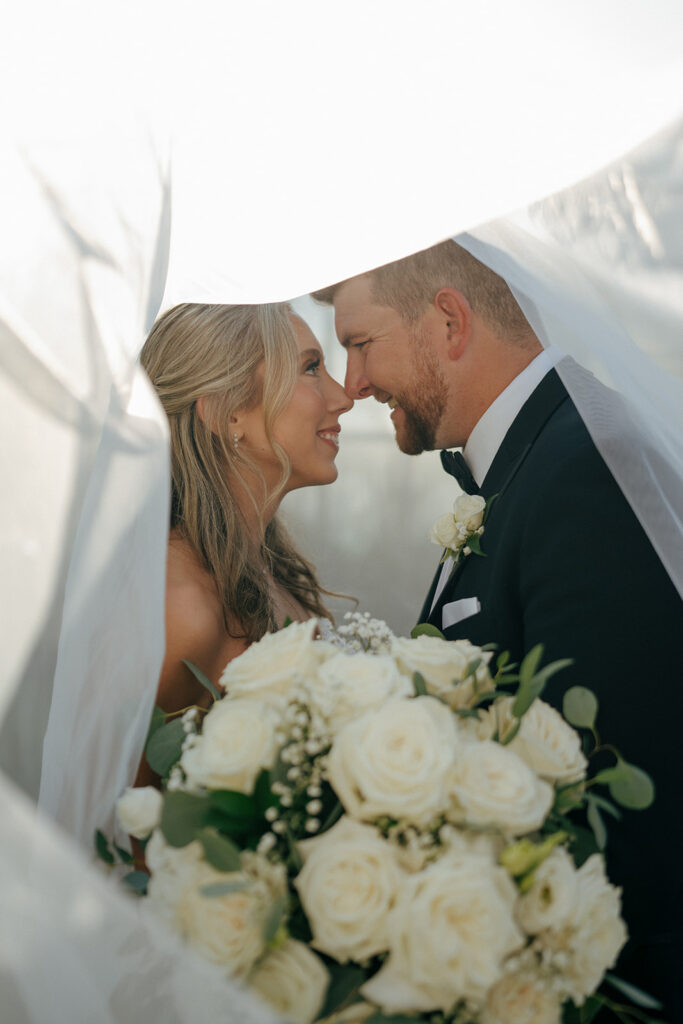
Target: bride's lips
{"type": "Point", "coordinates": [331, 437]}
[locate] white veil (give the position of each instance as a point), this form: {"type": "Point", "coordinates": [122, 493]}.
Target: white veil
{"type": "Point", "coordinates": [297, 162]}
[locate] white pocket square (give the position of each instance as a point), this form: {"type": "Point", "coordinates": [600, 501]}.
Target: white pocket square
{"type": "Point", "coordinates": [456, 611]}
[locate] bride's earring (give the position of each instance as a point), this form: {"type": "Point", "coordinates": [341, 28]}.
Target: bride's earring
{"type": "Point", "coordinates": [235, 442]}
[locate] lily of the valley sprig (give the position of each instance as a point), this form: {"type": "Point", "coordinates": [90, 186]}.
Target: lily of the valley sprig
{"type": "Point", "coordinates": [460, 531]}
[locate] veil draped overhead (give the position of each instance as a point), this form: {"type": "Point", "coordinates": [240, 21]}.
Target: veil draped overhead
{"type": "Point", "coordinates": [302, 153]}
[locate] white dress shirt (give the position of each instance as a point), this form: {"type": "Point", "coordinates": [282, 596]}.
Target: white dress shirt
{"type": "Point", "coordinates": [489, 431]}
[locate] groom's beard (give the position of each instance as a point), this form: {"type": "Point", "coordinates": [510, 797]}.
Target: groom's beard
{"type": "Point", "coordinates": [424, 406]}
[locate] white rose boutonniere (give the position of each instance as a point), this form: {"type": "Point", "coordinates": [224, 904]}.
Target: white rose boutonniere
{"type": "Point", "coordinates": [459, 532]}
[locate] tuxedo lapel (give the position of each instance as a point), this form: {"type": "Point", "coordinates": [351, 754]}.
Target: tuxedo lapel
{"type": "Point", "coordinates": [524, 430]}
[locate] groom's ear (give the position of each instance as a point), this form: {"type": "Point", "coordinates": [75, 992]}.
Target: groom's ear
{"type": "Point", "coordinates": [455, 315]}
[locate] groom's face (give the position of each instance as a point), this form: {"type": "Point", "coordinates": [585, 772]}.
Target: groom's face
{"type": "Point", "coordinates": [393, 361]}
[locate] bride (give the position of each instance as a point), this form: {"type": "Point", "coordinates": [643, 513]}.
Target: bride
{"type": "Point", "coordinates": [253, 414]}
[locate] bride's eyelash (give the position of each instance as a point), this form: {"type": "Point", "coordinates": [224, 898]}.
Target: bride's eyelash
{"type": "Point", "coordinates": [314, 366]}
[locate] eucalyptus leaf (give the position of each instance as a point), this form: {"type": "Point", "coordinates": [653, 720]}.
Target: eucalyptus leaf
{"type": "Point", "coordinates": [509, 736]}
{"type": "Point", "coordinates": [426, 629]}
{"type": "Point", "coordinates": [183, 815]}
{"type": "Point", "coordinates": [581, 1014]}
{"type": "Point", "coordinates": [137, 881]}
{"type": "Point", "coordinates": [223, 888]}
{"type": "Point", "coordinates": [636, 995]}
{"type": "Point", "coordinates": [165, 747]}
{"type": "Point", "coordinates": [474, 544]}
{"type": "Point", "coordinates": [102, 847]}
{"type": "Point", "coordinates": [596, 823]}
{"type": "Point", "coordinates": [201, 678]}
{"type": "Point", "coordinates": [628, 785]}
{"type": "Point", "coordinates": [466, 713]}
{"type": "Point", "coordinates": [530, 663]}
{"type": "Point", "coordinates": [419, 684]}
{"type": "Point", "coordinates": [221, 853]}
{"type": "Point", "coordinates": [472, 667]}
{"type": "Point", "coordinates": [345, 980]}
{"type": "Point", "coordinates": [580, 707]}
{"type": "Point", "coordinates": [156, 721]}
{"type": "Point", "coordinates": [606, 805]}
{"type": "Point", "coordinates": [334, 816]}
{"type": "Point", "coordinates": [274, 919]}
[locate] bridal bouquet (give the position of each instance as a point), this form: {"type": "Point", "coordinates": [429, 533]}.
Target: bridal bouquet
{"type": "Point", "coordinates": [369, 828]}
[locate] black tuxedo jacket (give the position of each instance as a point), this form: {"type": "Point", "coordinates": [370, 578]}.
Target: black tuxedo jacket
{"type": "Point", "coordinates": [568, 565]}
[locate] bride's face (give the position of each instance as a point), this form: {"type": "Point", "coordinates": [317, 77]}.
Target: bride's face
{"type": "Point", "coordinates": [308, 428]}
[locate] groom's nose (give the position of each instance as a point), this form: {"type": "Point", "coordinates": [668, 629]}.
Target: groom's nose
{"type": "Point", "coordinates": [356, 384]}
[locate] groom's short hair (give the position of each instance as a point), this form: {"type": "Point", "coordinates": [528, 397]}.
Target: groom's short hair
{"type": "Point", "coordinates": [409, 286]}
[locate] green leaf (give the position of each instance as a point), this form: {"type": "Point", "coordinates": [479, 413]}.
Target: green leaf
{"type": "Point", "coordinates": [165, 747]}
{"type": "Point", "coordinates": [596, 823]}
{"type": "Point", "coordinates": [390, 1018]}
{"type": "Point", "coordinates": [124, 856]}
{"type": "Point", "coordinates": [183, 816]}
{"type": "Point", "coordinates": [471, 668]}
{"type": "Point", "coordinates": [487, 507]}
{"type": "Point", "coordinates": [263, 794]}
{"type": "Point", "coordinates": [426, 629]}
{"type": "Point", "coordinates": [581, 1014]}
{"type": "Point", "coordinates": [137, 881]}
{"type": "Point", "coordinates": [221, 853]}
{"type": "Point", "coordinates": [628, 785]}
{"type": "Point", "coordinates": [224, 888]}
{"type": "Point", "coordinates": [287, 622]}
{"type": "Point", "coordinates": [102, 847]}
{"type": "Point", "coordinates": [583, 843]}
{"type": "Point", "coordinates": [233, 804]}
{"type": "Point", "coordinates": [530, 662]}
{"type": "Point", "coordinates": [510, 734]}
{"type": "Point", "coordinates": [333, 817]}
{"type": "Point", "coordinates": [606, 805]}
{"type": "Point", "coordinates": [274, 919]}
{"type": "Point", "coordinates": [201, 678]}
{"type": "Point", "coordinates": [156, 721]}
{"type": "Point", "coordinates": [580, 707]}
{"type": "Point", "coordinates": [345, 980]}
{"type": "Point", "coordinates": [419, 684]}
{"type": "Point", "coordinates": [636, 995]}
{"type": "Point", "coordinates": [474, 544]}
{"type": "Point", "coordinates": [466, 713]}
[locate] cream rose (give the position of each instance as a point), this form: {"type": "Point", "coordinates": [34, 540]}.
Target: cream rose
{"type": "Point", "coordinates": [594, 934]}
{"type": "Point", "coordinates": [451, 930]}
{"type": "Point", "coordinates": [521, 998]}
{"type": "Point", "coordinates": [445, 532]}
{"type": "Point", "coordinates": [347, 887]}
{"type": "Point", "coordinates": [396, 761]}
{"type": "Point", "coordinates": [236, 742]}
{"type": "Point", "coordinates": [268, 668]}
{"type": "Point", "coordinates": [468, 509]}
{"type": "Point", "coordinates": [349, 685]}
{"type": "Point", "coordinates": [545, 741]}
{"type": "Point", "coordinates": [443, 665]}
{"type": "Point", "coordinates": [552, 896]}
{"type": "Point", "coordinates": [491, 786]}
{"type": "Point", "coordinates": [357, 1013]}
{"type": "Point", "coordinates": [293, 980]}
{"type": "Point", "coordinates": [138, 811]}
{"type": "Point", "coordinates": [227, 928]}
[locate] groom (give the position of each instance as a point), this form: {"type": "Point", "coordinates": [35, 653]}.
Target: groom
{"type": "Point", "coordinates": [440, 339]}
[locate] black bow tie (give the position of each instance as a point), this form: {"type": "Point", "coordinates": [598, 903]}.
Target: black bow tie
{"type": "Point", "coordinates": [454, 463]}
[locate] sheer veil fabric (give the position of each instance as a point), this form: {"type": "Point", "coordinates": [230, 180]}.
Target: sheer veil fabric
{"type": "Point", "coordinates": [101, 221]}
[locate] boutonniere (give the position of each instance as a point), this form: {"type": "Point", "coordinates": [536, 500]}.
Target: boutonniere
{"type": "Point", "coordinates": [460, 531]}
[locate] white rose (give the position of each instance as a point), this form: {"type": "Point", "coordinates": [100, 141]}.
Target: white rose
{"type": "Point", "coordinates": [353, 684]}
{"type": "Point", "coordinates": [493, 787]}
{"type": "Point", "coordinates": [443, 665]}
{"type": "Point", "coordinates": [293, 980]}
{"type": "Point", "coordinates": [545, 741]}
{"type": "Point", "coordinates": [268, 668]}
{"type": "Point", "coordinates": [395, 761]}
{"type": "Point", "coordinates": [594, 935]}
{"type": "Point", "coordinates": [237, 740]}
{"type": "Point", "coordinates": [521, 999]}
{"type": "Point", "coordinates": [357, 1013]}
{"type": "Point", "coordinates": [468, 509]}
{"type": "Point", "coordinates": [445, 533]}
{"type": "Point", "coordinates": [451, 930]}
{"type": "Point", "coordinates": [138, 811]}
{"type": "Point", "coordinates": [228, 928]}
{"type": "Point", "coordinates": [347, 887]}
{"type": "Point", "coordinates": [552, 896]}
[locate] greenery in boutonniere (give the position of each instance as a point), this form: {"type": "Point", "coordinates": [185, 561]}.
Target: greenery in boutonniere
{"type": "Point", "coordinates": [460, 531]}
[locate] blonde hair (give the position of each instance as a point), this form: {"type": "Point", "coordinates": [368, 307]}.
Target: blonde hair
{"type": "Point", "coordinates": [410, 285]}
{"type": "Point", "coordinates": [213, 352]}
